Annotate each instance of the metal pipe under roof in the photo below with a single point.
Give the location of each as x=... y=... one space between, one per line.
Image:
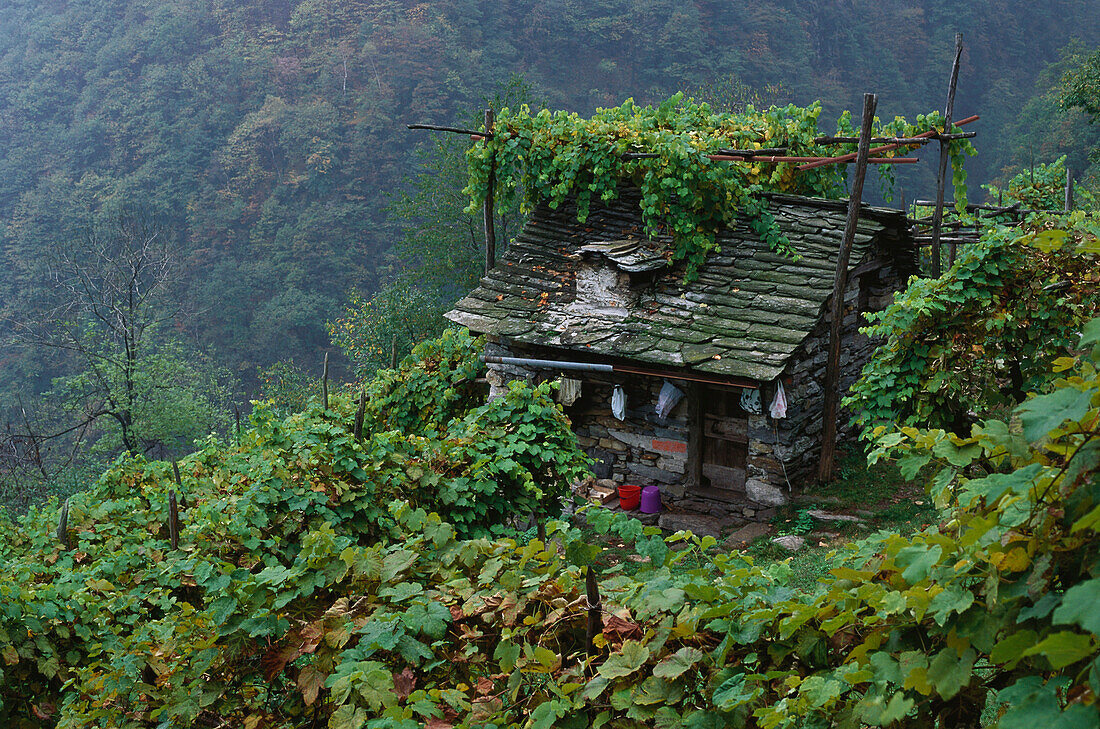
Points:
x=566 y=366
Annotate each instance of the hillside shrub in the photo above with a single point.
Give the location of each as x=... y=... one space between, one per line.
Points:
x=983 y=335
x=434 y=385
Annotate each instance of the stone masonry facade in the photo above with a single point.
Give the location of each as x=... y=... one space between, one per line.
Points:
x=781 y=454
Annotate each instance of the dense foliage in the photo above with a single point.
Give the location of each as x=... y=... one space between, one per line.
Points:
x=683 y=193
x=984 y=334
x=1042 y=187
x=1081 y=86
x=283 y=607
x=371 y=332
x=1051 y=124
x=121 y=630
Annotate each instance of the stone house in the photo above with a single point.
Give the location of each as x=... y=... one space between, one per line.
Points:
x=595 y=303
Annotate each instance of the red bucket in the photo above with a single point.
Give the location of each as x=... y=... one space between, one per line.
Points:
x=629 y=496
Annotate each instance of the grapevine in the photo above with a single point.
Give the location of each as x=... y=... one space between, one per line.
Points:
x=554 y=156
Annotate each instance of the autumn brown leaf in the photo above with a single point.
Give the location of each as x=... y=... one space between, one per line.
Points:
x=310 y=681
x=404 y=683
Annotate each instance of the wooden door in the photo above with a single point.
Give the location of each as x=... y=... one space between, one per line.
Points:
x=725 y=443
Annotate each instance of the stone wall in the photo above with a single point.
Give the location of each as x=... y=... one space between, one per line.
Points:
x=642 y=448
x=799 y=446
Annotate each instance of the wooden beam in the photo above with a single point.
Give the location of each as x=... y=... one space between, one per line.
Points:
x=941 y=177
x=996 y=209
x=836 y=305
x=456 y=130
x=897 y=140
x=595 y=612
x=173 y=521
x=876 y=160
x=924 y=240
x=487 y=211
x=725 y=156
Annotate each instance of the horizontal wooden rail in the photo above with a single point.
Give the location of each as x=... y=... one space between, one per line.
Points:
x=879 y=150
x=898 y=140
x=455 y=130
x=878 y=160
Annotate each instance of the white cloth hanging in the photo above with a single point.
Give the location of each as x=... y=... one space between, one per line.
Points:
x=667 y=399
x=778 y=408
x=569 y=391
x=750 y=401
x=618 y=402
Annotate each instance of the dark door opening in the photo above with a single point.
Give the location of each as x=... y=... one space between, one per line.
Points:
x=725 y=443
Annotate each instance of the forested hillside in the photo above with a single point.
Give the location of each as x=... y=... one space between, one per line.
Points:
x=202 y=200
x=269 y=136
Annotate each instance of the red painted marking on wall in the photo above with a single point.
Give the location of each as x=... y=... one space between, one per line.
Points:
x=670 y=446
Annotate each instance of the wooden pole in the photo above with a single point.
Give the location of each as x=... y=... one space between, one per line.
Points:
x=490 y=231
x=63 y=526
x=360 y=414
x=456 y=130
x=941 y=177
x=173 y=520
x=324 y=383
x=1069 y=190
x=836 y=304
x=179 y=484
x=595 y=616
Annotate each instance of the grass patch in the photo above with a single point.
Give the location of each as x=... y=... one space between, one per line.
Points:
x=877 y=495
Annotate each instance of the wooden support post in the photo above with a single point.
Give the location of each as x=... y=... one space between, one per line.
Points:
x=63 y=526
x=360 y=413
x=1069 y=190
x=595 y=611
x=490 y=230
x=324 y=383
x=836 y=304
x=941 y=178
x=173 y=520
x=179 y=484
x=695 y=415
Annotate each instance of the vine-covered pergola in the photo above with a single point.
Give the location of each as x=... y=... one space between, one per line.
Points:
x=672 y=159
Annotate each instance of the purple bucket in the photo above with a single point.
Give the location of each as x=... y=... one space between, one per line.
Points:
x=651 y=500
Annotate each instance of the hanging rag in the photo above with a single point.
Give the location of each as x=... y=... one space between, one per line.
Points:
x=667 y=399
x=750 y=401
x=778 y=408
x=618 y=403
x=569 y=391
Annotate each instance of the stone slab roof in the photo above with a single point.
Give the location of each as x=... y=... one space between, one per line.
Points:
x=742 y=318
